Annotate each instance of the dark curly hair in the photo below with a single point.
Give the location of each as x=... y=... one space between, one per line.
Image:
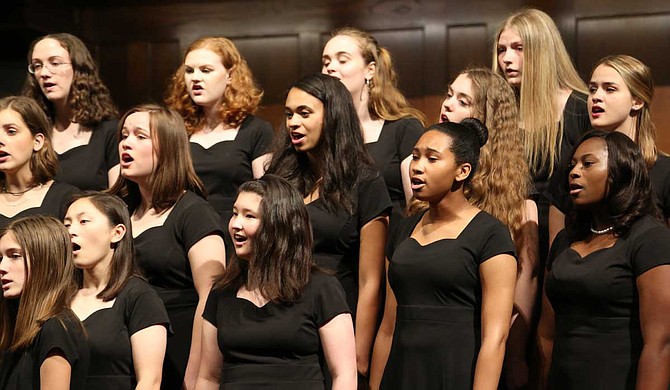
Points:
x=240 y=98
x=344 y=160
x=628 y=196
x=89 y=98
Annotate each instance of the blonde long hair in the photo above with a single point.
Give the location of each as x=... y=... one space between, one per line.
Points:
x=547 y=68
x=640 y=82
x=501 y=183
x=386 y=100
x=47 y=258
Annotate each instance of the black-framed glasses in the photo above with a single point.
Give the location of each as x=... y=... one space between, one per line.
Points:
x=52 y=66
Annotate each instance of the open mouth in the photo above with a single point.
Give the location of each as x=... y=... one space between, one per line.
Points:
x=3 y=154
x=597 y=110
x=239 y=239
x=443 y=118
x=75 y=247
x=575 y=188
x=126 y=158
x=417 y=183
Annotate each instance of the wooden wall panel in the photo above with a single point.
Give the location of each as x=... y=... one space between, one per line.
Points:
x=467 y=45
x=646 y=37
x=407 y=52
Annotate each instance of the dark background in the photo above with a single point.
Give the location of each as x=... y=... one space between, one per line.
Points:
x=138 y=44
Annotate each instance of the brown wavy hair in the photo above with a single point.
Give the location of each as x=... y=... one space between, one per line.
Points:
x=173 y=172
x=240 y=98
x=89 y=98
x=386 y=100
x=640 y=82
x=44 y=162
x=502 y=183
x=47 y=258
x=547 y=68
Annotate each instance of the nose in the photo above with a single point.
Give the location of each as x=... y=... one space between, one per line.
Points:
x=293 y=122
x=415 y=166
x=234 y=223
x=574 y=172
x=507 y=56
x=596 y=95
x=3 y=266
x=448 y=104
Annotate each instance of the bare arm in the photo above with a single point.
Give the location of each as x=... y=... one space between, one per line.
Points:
x=498 y=278
x=339 y=349
x=382 y=347
x=55 y=372
x=370 y=273
x=211 y=362
x=404 y=174
x=259 y=165
x=525 y=294
x=556 y=223
x=653 y=372
x=545 y=336
x=148 y=349
x=207 y=259
x=113 y=174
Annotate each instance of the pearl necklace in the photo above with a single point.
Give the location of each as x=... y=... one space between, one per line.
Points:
x=606 y=230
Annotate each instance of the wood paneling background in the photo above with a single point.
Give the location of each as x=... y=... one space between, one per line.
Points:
x=140 y=43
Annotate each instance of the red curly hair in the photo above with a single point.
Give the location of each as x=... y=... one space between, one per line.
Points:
x=240 y=98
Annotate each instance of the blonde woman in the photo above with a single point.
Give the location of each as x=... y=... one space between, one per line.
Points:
x=530 y=54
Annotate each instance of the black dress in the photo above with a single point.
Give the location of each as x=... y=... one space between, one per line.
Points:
x=395 y=144
x=54 y=203
x=64 y=333
x=438 y=320
x=87 y=166
x=597 y=339
x=275 y=346
x=224 y=166
x=162 y=253
x=137 y=307
x=337 y=236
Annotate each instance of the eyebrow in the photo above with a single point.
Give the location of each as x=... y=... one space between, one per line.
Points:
x=302 y=107
x=339 y=53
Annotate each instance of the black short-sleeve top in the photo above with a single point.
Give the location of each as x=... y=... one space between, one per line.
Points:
x=54 y=203
x=276 y=345
x=337 y=235
x=87 y=166
x=137 y=307
x=162 y=251
x=224 y=166
x=395 y=143
x=603 y=283
x=575 y=124
x=62 y=333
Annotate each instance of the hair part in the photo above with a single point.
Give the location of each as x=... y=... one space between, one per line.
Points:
x=173 y=171
x=44 y=162
x=629 y=195
x=281 y=251
x=89 y=98
x=547 y=69
x=640 y=82
x=240 y=98
x=344 y=161
x=47 y=256
x=386 y=100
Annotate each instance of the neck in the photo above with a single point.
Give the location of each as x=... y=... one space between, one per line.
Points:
x=97 y=278
x=601 y=218
x=146 y=196
x=449 y=207
x=212 y=117
x=18 y=182
x=362 y=108
x=63 y=115
x=628 y=128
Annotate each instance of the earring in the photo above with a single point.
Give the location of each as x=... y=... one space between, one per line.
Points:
x=368 y=84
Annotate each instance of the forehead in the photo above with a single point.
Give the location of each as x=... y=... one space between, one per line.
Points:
x=83 y=205
x=138 y=119
x=297 y=97
x=342 y=43
x=49 y=47
x=248 y=201
x=203 y=56
x=605 y=73
x=509 y=35
x=462 y=83
x=434 y=139
x=8 y=240
x=596 y=146
x=10 y=116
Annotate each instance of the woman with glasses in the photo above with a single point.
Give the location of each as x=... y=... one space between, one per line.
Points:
x=63 y=79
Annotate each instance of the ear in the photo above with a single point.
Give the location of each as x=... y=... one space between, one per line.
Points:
x=38 y=142
x=463 y=171
x=637 y=104
x=230 y=75
x=370 y=70
x=119 y=232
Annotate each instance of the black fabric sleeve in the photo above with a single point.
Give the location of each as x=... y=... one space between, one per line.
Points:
x=559 y=245
x=650 y=248
x=261 y=133
x=144 y=308
x=330 y=300
x=197 y=220
x=497 y=241
x=373 y=200
x=409 y=134
x=110 y=128
x=59 y=336
x=211 y=306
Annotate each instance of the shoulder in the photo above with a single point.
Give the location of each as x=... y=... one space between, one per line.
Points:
x=402 y=124
x=662 y=165
x=190 y=200
x=106 y=126
x=252 y=122
x=488 y=221
x=62 y=327
x=646 y=228
x=62 y=189
x=136 y=286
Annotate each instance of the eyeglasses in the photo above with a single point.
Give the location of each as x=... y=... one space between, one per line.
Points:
x=52 y=66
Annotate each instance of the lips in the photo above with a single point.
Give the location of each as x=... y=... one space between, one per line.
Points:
x=197 y=90
x=5 y=284
x=417 y=183
x=297 y=138
x=126 y=159
x=239 y=239
x=575 y=189
x=596 y=111
x=511 y=72
x=75 y=248
x=443 y=118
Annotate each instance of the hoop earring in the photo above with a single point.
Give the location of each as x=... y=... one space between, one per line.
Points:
x=368 y=85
